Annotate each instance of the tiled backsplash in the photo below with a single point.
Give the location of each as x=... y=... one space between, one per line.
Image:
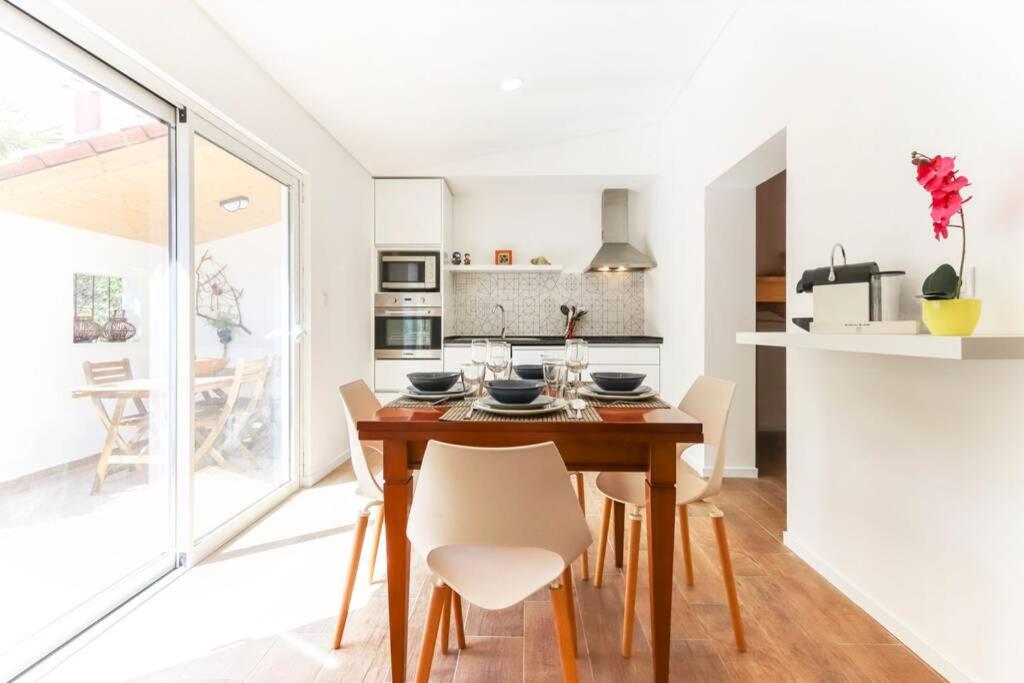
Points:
x=614 y=303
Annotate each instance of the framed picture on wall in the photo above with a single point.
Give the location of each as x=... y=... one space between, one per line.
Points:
x=503 y=257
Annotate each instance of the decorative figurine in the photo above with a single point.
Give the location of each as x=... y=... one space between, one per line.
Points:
x=456 y=258
x=465 y=259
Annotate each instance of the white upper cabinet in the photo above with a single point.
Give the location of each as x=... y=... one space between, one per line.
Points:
x=410 y=211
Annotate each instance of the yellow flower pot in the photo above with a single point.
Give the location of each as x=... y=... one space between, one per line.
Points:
x=951 y=317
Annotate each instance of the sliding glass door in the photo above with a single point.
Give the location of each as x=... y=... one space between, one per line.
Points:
x=243 y=250
x=87 y=466
x=148 y=269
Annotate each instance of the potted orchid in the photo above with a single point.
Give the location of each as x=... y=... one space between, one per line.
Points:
x=943 y=310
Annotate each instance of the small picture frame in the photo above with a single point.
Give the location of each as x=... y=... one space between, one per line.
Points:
x=503 y=257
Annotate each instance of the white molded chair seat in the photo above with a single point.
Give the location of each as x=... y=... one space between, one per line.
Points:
x=631 y=487
x=495 y=577
x=496 y=525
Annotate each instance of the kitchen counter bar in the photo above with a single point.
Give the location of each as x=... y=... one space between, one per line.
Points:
x=553 y=341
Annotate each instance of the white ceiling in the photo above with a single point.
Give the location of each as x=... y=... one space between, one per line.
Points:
x=410 y=84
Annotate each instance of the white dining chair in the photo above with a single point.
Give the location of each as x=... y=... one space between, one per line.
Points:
x=495 y=525
x=360 y=404
x=708 y=400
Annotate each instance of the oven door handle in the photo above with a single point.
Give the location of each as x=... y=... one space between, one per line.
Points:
x=408 y=313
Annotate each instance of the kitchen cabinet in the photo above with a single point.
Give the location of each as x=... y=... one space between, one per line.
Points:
x=410 y=211
x=390 y=375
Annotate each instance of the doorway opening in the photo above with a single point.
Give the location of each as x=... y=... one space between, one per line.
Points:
x=770 y=307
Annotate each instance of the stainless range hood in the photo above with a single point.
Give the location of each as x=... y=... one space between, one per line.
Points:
x=616 y=253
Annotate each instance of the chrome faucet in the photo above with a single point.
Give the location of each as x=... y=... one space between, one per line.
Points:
x=502 y=309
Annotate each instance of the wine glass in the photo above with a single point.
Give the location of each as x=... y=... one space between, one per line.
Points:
x=478 y=354
x=554 y=374
x=499 y=357
x=577 y=357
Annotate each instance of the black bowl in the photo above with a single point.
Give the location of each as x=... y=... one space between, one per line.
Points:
x=433 y=381
x=529 y=371
x=516 y=391
x=617 y=381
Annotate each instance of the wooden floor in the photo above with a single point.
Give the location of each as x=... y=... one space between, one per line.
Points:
x=268 y=601
x=798 y=626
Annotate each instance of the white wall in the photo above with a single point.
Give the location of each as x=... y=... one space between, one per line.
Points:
x=729 y=305
x=556 y=217
x=904 y=475
x=42 y=424
x=176 y=40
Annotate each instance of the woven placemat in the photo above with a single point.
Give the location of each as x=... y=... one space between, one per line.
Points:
x=460 y=413
x=403 y=402
x=653 y=402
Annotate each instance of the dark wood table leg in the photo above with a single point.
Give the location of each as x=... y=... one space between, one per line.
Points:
x=619 y=517
x=397 y=499
x=661 y=508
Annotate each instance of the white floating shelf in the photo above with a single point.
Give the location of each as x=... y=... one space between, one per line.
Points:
x=523 y=268
x=981 y=347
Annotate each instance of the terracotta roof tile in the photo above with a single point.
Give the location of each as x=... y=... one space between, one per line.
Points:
x=62 y=155
x=82 y=149
x=122 y=138
x=155 y=130
x=21 y=167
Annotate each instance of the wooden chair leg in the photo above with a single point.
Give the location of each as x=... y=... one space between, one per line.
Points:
x=567 y=582
x=375 y=545
x=446 y=619
x=584 y=559
x=438 y=599
x=460 y=629
x=350 y=580
x=684 y=536
x=560 y=614
x=632 y=567
x=718 y=520
x=602 y=542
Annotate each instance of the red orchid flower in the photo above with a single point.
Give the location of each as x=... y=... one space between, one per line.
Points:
x=938 y=176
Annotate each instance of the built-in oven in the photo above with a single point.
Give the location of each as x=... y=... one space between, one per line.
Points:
x=407 y=326
x=409 y=271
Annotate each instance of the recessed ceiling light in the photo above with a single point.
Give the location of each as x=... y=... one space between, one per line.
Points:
x=511 y=84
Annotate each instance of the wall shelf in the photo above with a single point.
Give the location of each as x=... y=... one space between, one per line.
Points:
x=515 y=268
x=981 y=347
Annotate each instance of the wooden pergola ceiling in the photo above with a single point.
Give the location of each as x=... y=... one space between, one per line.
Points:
x=123 y=191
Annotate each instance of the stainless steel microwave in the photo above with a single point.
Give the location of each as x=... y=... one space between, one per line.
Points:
x=409 y=271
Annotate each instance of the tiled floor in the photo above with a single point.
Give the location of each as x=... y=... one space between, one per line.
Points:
x=62 y=545
x=263 y=608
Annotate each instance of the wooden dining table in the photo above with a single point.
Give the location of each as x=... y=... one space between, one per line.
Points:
x=625 y=440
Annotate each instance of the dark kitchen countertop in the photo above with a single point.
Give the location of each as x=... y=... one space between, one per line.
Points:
x=554 y=341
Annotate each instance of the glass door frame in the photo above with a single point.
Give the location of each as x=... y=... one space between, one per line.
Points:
x=52 y=45
x=192 y=548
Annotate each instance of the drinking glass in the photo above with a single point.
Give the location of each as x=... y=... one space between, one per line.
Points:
x=499 y=357
x=577 y=357
x=554 y=374
x=478 y=354
x=472 y=376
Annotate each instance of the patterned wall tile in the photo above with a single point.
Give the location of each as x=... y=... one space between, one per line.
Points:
x=614 y=303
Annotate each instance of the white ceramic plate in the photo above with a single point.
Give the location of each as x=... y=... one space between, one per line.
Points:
x=601 y=396
x=597 y=389
x=539 y=402
x=455 y=391
x=553 y=407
